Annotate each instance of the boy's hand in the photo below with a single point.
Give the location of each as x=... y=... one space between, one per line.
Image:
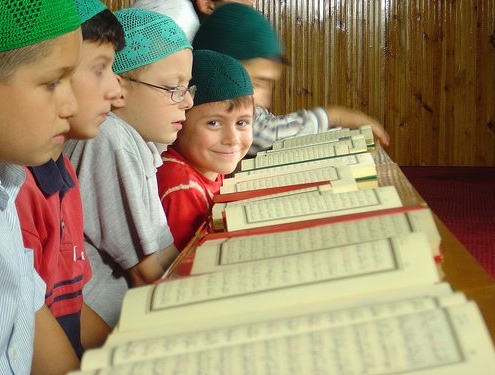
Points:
x=346 y=117
x=152 y=267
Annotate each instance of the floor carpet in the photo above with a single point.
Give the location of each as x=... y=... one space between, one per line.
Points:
x=464 y=199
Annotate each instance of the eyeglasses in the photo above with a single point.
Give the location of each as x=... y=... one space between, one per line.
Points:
x=177 y=93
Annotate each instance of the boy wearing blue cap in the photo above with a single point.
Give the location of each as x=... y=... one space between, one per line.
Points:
x=245 y=34
x=216 y=135
x=49 y=203
x=127 y=239
x=39 y=51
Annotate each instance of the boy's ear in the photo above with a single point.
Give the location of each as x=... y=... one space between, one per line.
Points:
x=205 y=6
x=119 y=102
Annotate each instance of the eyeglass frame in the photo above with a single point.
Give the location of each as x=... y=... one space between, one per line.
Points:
x=182 y=90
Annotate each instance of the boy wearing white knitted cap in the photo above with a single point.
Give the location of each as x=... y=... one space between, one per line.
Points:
x=127 y=237
x=39 y=51
x=215 y=137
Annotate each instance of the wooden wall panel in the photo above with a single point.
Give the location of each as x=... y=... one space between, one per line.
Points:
x=118 y=4
x=424 y=68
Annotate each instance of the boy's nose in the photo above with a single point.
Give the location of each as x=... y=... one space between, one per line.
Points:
x=70 y=107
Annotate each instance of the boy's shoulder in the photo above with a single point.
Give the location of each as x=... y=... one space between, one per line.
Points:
x=174 y=171
x=114 y=133
x=173 y=162
x=11 y=176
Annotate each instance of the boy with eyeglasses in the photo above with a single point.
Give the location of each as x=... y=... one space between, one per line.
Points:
x=215 y=137
x=127 y=238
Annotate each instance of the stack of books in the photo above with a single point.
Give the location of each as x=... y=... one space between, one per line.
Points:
x=302 y=269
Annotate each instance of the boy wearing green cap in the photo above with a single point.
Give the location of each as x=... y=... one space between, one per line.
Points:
x=216 y=135
x=39 y=51
x=245 y=34
x=49 y=203
x=127 y=239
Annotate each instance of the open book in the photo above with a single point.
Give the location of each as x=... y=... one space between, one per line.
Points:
x=213 y=252
x=362 y=167
x=300 y=205
x=304 y=153
x=373 y=307
x=339 y=176
x=331 y=135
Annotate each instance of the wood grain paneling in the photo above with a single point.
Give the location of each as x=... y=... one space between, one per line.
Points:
x=118 y=4
x=424 y=68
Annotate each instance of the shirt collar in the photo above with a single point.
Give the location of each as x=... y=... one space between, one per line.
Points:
x=155 y=154
x=53 y=177
x=11 y=179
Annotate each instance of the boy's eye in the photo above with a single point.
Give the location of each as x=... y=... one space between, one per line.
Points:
x=52 y=85
x=99 y=70
x=262 y=84
x=213 y=123
x=243 y=123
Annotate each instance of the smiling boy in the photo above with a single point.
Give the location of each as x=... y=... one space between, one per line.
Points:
x=216 y=135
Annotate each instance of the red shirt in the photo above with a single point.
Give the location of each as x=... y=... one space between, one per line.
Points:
x=186 y=196
x=50 y=212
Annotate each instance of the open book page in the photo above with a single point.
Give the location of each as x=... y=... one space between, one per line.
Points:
x=218 y=254
x=288 y=282
x=330 y=317
x=340 y=177
x=308 y=205
x=331 y=135
x=350 y=144
x=442 y=341
x=362 y=166
x=121 y=336
x=218 y=209
x=303 y=153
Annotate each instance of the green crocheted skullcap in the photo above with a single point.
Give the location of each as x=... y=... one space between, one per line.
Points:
x=150 y=36
x=218 y=77
x=239 y=31
x=87 y=9
x=23 y=23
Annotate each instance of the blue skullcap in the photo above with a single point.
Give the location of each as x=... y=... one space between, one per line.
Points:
x=149 y=36
x=89 y=8
x=218 y=77
x=23 y=23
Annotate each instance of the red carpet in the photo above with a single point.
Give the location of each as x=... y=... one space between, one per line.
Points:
x=464 y=199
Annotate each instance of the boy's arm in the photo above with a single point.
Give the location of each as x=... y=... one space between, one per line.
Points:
x=48 y=334
x=346 y=117
x=94 y=330
x=267 y=128
x=152 y=267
